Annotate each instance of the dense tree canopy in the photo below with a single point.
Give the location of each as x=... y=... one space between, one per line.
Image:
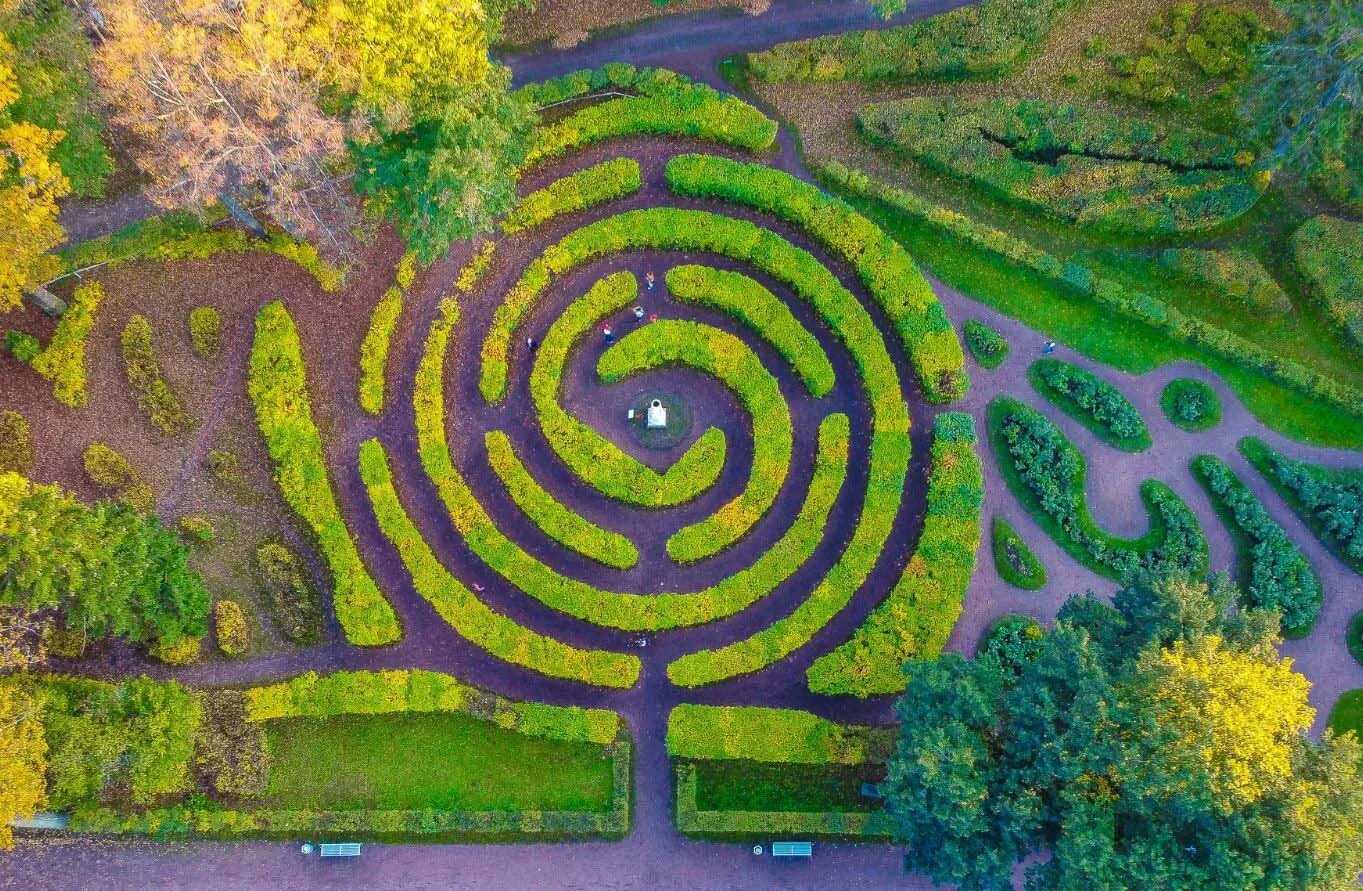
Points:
x=23 y=758
x=1157 y=742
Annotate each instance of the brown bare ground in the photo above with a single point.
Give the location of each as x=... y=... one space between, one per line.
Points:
x=553 y=19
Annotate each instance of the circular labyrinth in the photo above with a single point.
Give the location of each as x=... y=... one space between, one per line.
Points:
x=772 y=511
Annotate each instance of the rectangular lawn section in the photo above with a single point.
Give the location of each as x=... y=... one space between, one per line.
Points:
x=797 y=788
x=441 y=761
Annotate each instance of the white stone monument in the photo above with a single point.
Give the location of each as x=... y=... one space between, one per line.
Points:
x=657 y=415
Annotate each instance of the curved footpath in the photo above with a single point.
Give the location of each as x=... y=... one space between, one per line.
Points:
x=654 y=855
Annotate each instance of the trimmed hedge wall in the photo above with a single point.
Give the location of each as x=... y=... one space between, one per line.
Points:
x=734 y=294
x=884 y=267
x=595 y=185
x=1329 y=501
x=154 y=396
x=1107 y=172
x=1015 y=562
x=1328 y=253
x=1236 y=274
x=1191 y=404
x=63 y=360
x=592 y=457
x=555 y=519
x=786 y=736
x=374 y=351
x=729 y=360
x=1091 y=401
x=1275 y=575
x=1081 y=279
x=277 y=383
x=988 y=346
x=1046 y=473
x=870 y=826
x=917 y=616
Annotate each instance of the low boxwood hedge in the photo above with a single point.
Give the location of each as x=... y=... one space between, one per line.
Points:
x=778 y=735
x=62 y=361
x=374 y=350
x=1015 y=562
x=1091 y=401
x=988 y=346
x=154 y=396
x=762 y=825
x=586 y=188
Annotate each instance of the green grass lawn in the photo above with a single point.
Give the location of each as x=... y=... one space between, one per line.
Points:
x=438 y=761
x=814 y=788
x=1348 y=713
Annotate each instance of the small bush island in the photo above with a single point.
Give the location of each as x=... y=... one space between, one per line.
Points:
x=785 y=736
x=1330 y=501
x=288 y=593
x=1328 y=254
x=1015 y=562
x=374 y=350
x=577 y=191
x=277 y=383
x=1046 y=472
x=1101 y=171
x=234 y=634
x=114 y=474
x=1012 y=640
x=1091 y=401
x=63 y=361
x=1191 y=404
x=154 y=395
x=988 y=346
x=16 y=443
x=205 y=331
x=1275 y=574
x=1234 y=274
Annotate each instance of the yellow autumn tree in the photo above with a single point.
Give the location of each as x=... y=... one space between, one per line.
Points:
x=30 y=184
x=23 y=759
x=1235 y=717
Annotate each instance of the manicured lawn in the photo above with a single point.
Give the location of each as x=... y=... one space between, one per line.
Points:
x=1348 y=713
x=752 y=786
x=439 y=761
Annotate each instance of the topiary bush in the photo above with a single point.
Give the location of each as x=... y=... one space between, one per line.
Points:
x=22 y=346
x=113 y=473
x=234 y=634
x=1354 y=637
x=205 y=331
x=1015 y=562
x=988 y=346
x=1191 y=404
x=16 y=444
x=198 y=529
x=1012 y=640
x=1091 y=401
x=154 y=396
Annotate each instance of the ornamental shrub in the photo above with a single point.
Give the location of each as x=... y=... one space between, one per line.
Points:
x=1234 y=274
x=197 y=528
x=115 y=475
x=22 y=346
x=586 y=188
x=987 y=345
x=288 y=594
x=374 y=350
x=477 y=267
x=777 y=735
x=1328 y=254
x=234 y=634
x=230 y=752
x=1015 y=562
x=16 y=445
x=1329 y=501
x=63 y=361
x=205 y=331
x=1012 y=640
x=154 y=396
x=1091 y=401
x=1191 y=404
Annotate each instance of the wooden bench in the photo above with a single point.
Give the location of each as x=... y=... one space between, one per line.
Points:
x=341 y=849
x=792 y=849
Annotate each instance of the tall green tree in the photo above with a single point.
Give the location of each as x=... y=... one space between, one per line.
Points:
x=1156 y=743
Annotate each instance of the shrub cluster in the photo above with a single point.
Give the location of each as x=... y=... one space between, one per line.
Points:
x=476 y=268
x=977 y=41
x=1015 y=562
x=988 y=346
x=114 y=474
x=154 y=396
x=1236 y=274
x=595 y=185
x=277 y=383
x=592 y=457
x=63 y=361
x=1278 y=577
x=884 y=267
x=1091 y=401
x=230 y=752
x=1191 y=404
x=1328 y=253
x=205 y=331
x=868 y=825
x=196 y=528
x=667 y=104
x=1330 y=501
x=234 y=634
x=780 y=735
x=1106 y=292
x=23 y=346
x=16 y=443
x=728 y=359
x=374 y=350
x=1103 y=171
x=1046 y=473
x=555 y=519
x=1012 y=640
x=748 y=301
x=917 y=616
x=288 y=594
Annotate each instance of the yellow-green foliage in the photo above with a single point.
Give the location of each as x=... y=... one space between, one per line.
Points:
x=708 y=824
x=205 y=331
x=277 y=384
x=604 y=182
x=374 y=350
x=16 y=445
x=234 y=635
x=1328 y=253
x=1236 y=274
x=476 y=268
x=785 y=736
x=115 y=475
x=154 y=396
x=916 y=618
x=63 y=362
x=385 y=692
x=305 y=255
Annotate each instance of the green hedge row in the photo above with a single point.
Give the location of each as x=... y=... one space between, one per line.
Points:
x=277 y=383
x=205 y=331
x=1328 y=254
x=1091 y=401
x=733 y=363
x=988 y=346
x=465 y=612
x=374 y=350
x=1235 y=273
x=555 y=519
x=1190 y=404
x=977 y=41
x=1277 y=576
x=1329 y=501
x=595 y=185
x=786 y=736
x=872 y=825
x=1106 y=292
x=312 y=695
x=63 y=360
x=1108 y=172
x=592 y=457
x=748 y=301
x=917 y=616
x=154 y=396
x=666 y=104
x=1015 y=562
x=1046 y=473
x=882 y=264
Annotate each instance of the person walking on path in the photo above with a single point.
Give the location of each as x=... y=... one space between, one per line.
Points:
x=608 y=333
x=638 y=314
x=532 y=344
x=649 y=279
x=1048 y=348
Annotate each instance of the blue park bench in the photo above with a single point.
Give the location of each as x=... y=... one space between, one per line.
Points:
x=792 y=849
x=340 y=849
